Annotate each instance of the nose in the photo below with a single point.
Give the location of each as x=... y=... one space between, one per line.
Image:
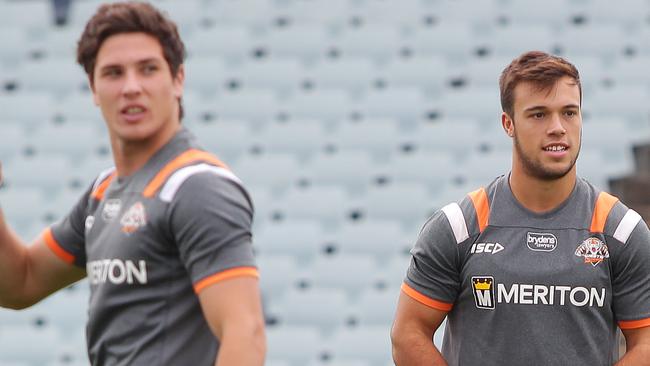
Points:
x=556 y=127
x=131 y=85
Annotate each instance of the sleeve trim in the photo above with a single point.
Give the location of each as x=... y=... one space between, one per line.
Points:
x=482 y=207
x=626 y=226
x=457 y=221
x=604 y=205
x=224 y=275
x=435 y=304
x=634 y=324
x=188 y=157
x=57 y=248
x=100 y=188
x=174 y=183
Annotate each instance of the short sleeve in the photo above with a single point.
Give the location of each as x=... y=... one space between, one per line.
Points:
x=631 y=284
x=210 y=219
x=66 y=238
x=433 y=275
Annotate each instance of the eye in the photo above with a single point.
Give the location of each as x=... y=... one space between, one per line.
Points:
x=149 y=69
x=538 y=115
x=571 y=113
x=112 y=72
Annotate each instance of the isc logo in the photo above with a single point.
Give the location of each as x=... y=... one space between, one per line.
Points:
x=493 y=248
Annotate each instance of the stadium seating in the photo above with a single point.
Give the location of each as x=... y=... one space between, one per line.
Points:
x=349 y=122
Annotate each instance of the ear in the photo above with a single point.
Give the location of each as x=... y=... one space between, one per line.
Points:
x=508 y=124
x=179 y=81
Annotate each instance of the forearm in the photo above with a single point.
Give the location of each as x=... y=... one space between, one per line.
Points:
x=416 y=350
x=636 y=356
x=13 y=266
x=245 y=346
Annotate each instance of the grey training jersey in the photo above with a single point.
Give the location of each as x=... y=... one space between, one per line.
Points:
x=533 y=289
x=150 y=243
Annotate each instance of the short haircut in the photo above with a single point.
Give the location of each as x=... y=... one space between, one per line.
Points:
x=130 y=17
x=539 y=68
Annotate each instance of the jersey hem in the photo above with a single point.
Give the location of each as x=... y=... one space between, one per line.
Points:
x=56 y=248
x=423 y=299
x=224 y=275
x=634 y=324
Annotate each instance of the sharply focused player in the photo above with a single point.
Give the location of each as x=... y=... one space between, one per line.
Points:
x=164 y=237
x=539 y=267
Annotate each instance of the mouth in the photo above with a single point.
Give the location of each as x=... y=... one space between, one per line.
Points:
x=133 y=112
x=557 y=149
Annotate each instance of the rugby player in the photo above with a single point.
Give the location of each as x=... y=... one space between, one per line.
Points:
x=539 y=267
x=164 y=237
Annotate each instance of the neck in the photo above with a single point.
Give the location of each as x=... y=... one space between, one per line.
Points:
x=539 y=195
x=130 y=156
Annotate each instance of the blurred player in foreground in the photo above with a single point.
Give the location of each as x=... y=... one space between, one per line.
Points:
x=538 y=267
x=164 y=237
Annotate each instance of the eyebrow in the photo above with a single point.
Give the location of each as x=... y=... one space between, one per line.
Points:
x=541 y=107
x=139 y=62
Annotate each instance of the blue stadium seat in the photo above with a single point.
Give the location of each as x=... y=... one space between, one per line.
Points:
x=375 y=42
x=351 y=73
x=375 y=307
x=207 y=74
x=429 y=73
x=281 y=344
x=307 y=42
x=238 y=104
x=301 y=137
x=510 y=42
x=375 y=348
x=328 y=204
x=230 y=42
x=321 y=308
x=379 y=137
x=405 y=104
x=349 y=169
x=21 y=107
x=273 y=170
x=278 y=274
x=378 y=238
x=300 y=238
x=227 y=139
x=328 y=106
x=280 y=75
x=351 y=273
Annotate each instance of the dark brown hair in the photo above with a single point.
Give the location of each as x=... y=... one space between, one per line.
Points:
x=539 y=68
x=128 y=17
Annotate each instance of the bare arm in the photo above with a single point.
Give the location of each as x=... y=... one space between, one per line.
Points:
x=412 y=333
x=28 y=274
x=233 y=310
x=638 y=347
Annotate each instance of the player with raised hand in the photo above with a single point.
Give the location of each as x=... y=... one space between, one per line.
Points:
x=164 y=237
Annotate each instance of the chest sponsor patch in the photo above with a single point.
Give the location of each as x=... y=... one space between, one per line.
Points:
x=593 y=250
x=487 y=294
x=134 y=218
x=111 y=209
x=541 y=242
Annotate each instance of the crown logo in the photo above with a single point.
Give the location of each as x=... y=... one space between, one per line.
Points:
x=482 y=283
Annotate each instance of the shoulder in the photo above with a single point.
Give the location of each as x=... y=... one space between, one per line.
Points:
x=199 y=179
x=463 y=219
x=611 y=217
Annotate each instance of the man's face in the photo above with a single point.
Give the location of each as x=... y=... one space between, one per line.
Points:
x=546 y=129
x=133 y=86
